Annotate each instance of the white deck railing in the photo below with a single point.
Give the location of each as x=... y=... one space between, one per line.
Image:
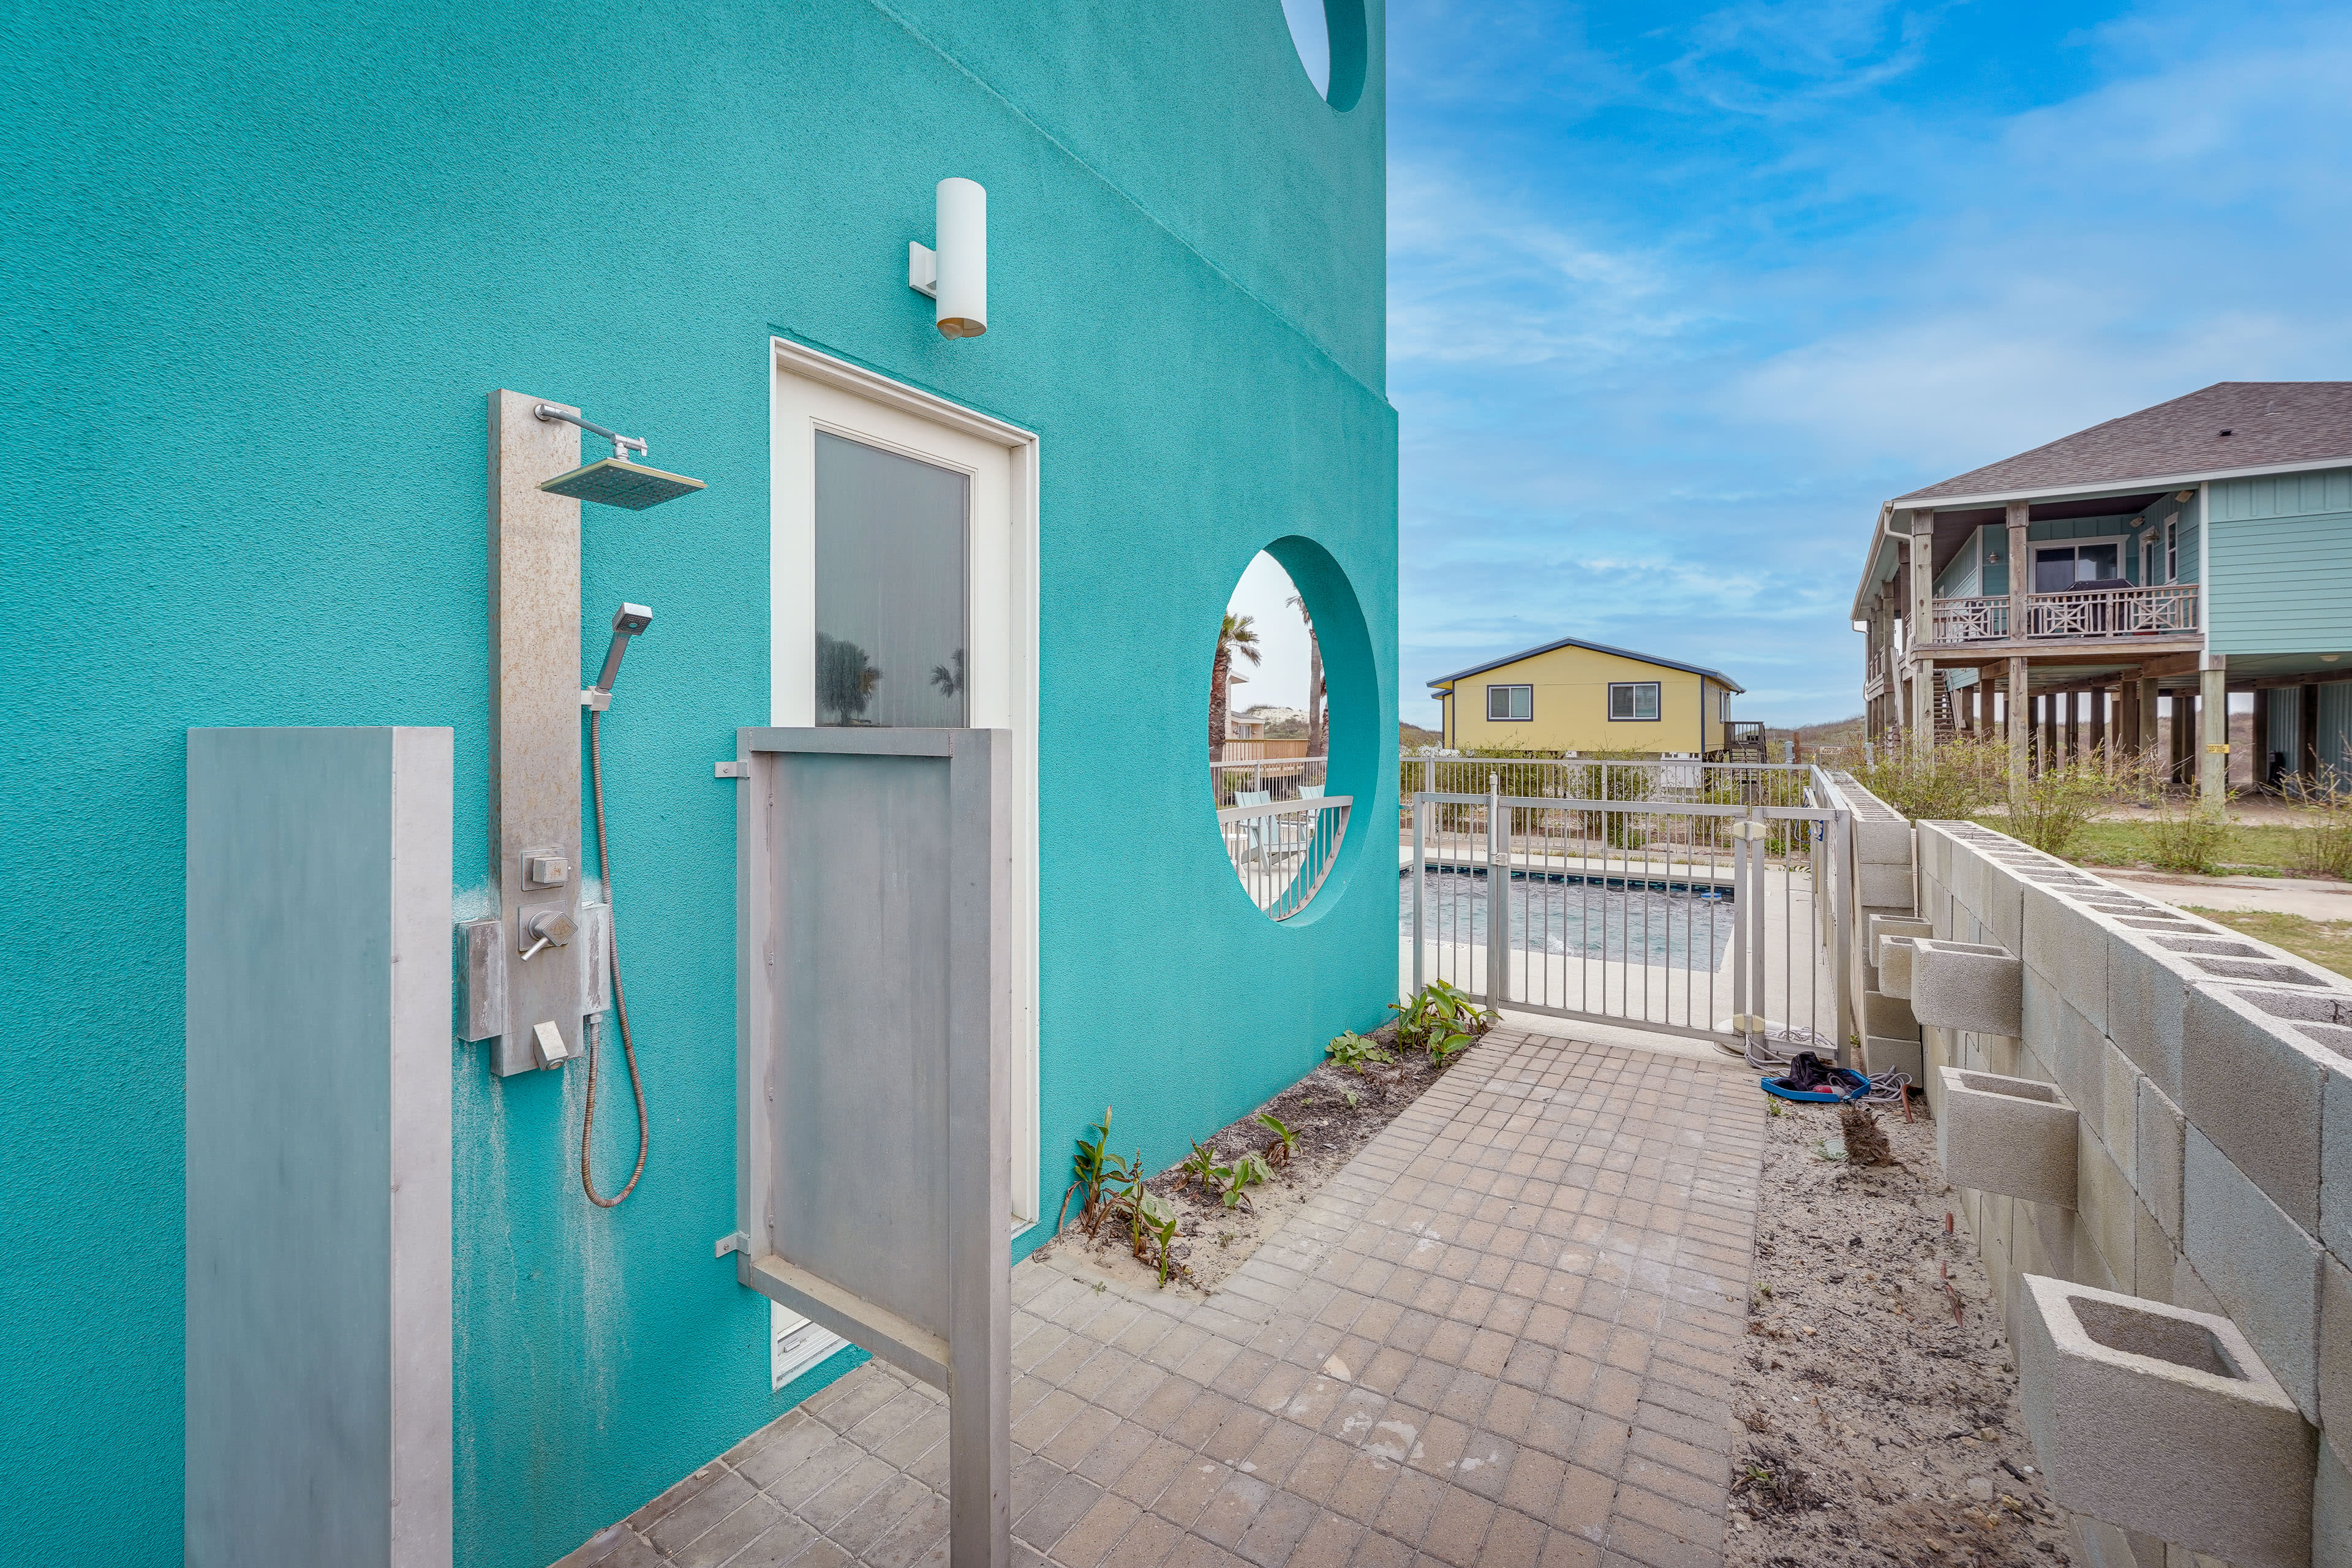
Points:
x=2094 y=613
x=1283 y=850
x=1281 y=776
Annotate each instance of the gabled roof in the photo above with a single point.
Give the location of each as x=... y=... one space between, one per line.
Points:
x=2229 y=425
x=1715 y=674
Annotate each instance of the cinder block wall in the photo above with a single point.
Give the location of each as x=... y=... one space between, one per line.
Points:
x=1886 y=883
x=2214 y=1160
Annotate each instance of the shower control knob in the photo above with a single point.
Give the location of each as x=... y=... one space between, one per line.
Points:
x=543 y=928
x=546 y=870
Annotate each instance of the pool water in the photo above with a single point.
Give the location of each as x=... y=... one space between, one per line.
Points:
x=1677 y=929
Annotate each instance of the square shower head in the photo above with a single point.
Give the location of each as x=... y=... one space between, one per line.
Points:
x=617 y=483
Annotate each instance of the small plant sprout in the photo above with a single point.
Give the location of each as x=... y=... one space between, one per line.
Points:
x=1202 y=1167
x=1441 y=1019
x=1087 y=1178
x=1156 y=1216
x=1352 y=1098
x=1248 y=1171
x=1286 y=1139
x=1356 y=1052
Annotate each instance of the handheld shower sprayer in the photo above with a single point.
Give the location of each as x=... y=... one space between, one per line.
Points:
x=614 y=480
x=629 y=622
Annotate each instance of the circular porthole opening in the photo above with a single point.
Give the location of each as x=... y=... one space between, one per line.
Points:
x=1270 y=742
x=1330 y=37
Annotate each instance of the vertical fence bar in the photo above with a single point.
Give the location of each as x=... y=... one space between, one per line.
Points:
x=1842 y=857
x=1420 y=878
x=1760 y=946
x=1498 y=903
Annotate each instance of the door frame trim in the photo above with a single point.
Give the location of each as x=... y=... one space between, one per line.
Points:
x=1022 y=451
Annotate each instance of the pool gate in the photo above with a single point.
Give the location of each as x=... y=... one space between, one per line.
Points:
x=1692 y=897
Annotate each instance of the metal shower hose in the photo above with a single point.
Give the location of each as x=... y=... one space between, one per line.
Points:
x=620 y=998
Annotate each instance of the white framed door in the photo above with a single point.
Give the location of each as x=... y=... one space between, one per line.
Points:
x=866 y=475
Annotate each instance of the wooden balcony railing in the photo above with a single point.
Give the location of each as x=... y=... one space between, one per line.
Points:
x=2093 y=613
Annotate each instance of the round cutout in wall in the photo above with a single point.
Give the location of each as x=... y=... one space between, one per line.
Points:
x=1330 y=37
x=1270 y=741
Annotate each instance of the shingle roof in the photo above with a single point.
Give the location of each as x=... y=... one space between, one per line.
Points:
x=1715 y=674
x=2269 y=422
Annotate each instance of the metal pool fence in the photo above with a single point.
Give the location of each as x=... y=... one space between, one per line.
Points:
x=1724 y=918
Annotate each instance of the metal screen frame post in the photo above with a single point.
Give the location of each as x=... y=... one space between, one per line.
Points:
x=956 y=1332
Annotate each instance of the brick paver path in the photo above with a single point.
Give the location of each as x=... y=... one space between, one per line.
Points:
x=1503 y=1335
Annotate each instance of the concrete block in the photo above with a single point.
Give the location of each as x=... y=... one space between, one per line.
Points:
x=2189 y=1289
x=2105 y=1219
x=1885 y=1055
x=2158 y=1129
x=2334 y=1345
x=2003 y=1055
x=2331 y=1511
x=1884 y=887
x=2233 y=957
x=1966 y=881
x=1894 y=952
x=2062 y=1038
x=1887 y=1016
x=2261 y=1265
x=2153 y=1255
x=2004 y=910
x=2091 y=1264
x=2336 y=1166
x=2069 y=944
x=1966 y=985
x=2007 y=1135
x=2163 y=1421
x=1883 y=841
x=2255 y=1082
x=1879 y=926
x=1932 y=848
x=2120 y=1108
x=2147 y=1008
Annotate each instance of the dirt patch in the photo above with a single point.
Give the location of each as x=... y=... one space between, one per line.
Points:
x=1332 y=1111
x=1878 y=1429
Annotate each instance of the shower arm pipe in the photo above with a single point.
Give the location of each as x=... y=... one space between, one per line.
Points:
x=622 y=445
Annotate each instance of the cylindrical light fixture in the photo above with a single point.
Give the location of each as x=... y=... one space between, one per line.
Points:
x=961 y=290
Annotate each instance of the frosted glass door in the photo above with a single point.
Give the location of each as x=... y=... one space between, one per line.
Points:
x=892 y=625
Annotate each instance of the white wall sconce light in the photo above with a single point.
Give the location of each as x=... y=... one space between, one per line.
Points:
x=956 y=275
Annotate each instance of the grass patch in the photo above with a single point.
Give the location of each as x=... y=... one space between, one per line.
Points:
x=2327 y=943
x=2246 y=850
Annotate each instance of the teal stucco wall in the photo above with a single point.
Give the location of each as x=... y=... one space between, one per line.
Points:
x=266 y=260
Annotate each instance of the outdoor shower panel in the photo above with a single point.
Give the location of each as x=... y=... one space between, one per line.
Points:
x=535 y=971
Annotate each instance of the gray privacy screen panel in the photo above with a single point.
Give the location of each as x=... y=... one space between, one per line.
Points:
x=861 y=1070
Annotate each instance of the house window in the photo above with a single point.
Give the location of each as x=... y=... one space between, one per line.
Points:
x=2172 y=547
x=1511 y=702
x=1633 y=699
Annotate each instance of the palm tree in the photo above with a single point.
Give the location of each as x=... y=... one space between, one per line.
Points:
x=1317 y=712
x=1237 y=635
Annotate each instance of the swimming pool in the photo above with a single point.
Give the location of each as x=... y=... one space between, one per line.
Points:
x=1681 y=927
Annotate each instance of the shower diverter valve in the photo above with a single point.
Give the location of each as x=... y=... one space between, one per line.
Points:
x=550 y=925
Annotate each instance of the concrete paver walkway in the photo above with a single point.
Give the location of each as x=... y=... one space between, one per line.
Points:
x=1502 y=1335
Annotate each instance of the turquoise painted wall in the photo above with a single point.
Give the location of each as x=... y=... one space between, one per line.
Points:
x=2282 y=564
x=266 y=260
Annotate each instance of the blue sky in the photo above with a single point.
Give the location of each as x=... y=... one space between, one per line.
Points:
x=1678 y=294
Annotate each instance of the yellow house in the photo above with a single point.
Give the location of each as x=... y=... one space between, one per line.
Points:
x=1572 y=696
